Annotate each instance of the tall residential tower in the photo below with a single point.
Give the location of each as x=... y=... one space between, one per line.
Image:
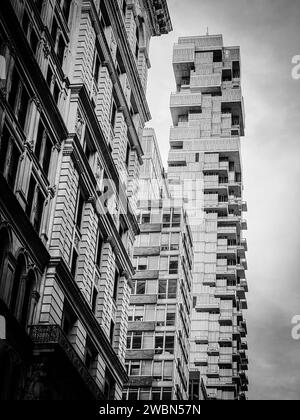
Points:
x=205 y=152
x=72 y=113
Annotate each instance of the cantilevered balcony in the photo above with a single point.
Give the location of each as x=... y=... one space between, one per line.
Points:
x=213 y=372
x=244 y=304
x=244 y=244
x=223 y=293
x=244 y=344
x=212 y=203
x=226 y=251
x=228 y=272
x=244 y=225
x=225 y=339
x=183 y=61
x=208 y=307
x=201 y=361
x=233 y=102
x=221 y=167
x=213 y=350
x=202 y=339
x=225 y=319
x=244 y=285
x=225 y=360
x=236 y=333
x=244 y=377
x=182 y=103
x=206 y=83
x=240 y=292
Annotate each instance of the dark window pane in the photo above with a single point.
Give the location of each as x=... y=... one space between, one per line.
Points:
x=162 y=290
x=137 y=340
x=140 y=287
x=14 y=88
x=47 y=156
x=3 y=148
x=66 y=9
x=13 y=166
x=30 y=196
x=79 y=211
x=24 y=102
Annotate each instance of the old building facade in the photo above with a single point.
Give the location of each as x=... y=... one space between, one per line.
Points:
x=72 y=111
x=157 y=357
x=205 y=156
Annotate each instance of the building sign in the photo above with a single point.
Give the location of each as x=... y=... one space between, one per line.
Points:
x=2 y=328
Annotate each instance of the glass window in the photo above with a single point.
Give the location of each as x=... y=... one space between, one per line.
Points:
x=159 y=344
x=140 y=287
x=176 y=220
x=156 y=394
x=137 y=340
x=144 y=240
x=128 y=345
x=145 y=394
x=143 y=263
x=149 y=313
x=135 y=369
x=148 y=340
x=171 y=317
x=169 y=346
x=173 y=265
x=157 y=370
x=146 y=218
x=167 y=394
x=146 y=368
x=163 y=264
x=166 y=220
x=139 y=314
x=133 y=394
x=165 y=242
x=151 y=287
x=153 y=263
x=162 y=292
x=154 y=239
x=161 y=316
x=172 y=291
x=168 y=370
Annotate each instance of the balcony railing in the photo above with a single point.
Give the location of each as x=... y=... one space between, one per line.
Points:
x=201 y=361
x=46 y=336
x=206 y=83
x=188 y=99
x=208 y=307
x=201 y=339
x=213 y=372
x=213 y=350
x=216 y=167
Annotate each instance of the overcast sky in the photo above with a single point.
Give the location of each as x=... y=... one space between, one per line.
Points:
x=268 y=32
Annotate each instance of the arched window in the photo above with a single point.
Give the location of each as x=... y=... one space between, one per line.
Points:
x=26 y=305
x=17 y=284
x=4 y=247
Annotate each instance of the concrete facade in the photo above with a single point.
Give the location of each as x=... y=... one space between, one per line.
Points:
x=72 y=112
x=205 y=152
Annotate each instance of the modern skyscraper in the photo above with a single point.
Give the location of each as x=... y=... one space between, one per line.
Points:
x=158 y=351
x=205 y=153
x=72 y=111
